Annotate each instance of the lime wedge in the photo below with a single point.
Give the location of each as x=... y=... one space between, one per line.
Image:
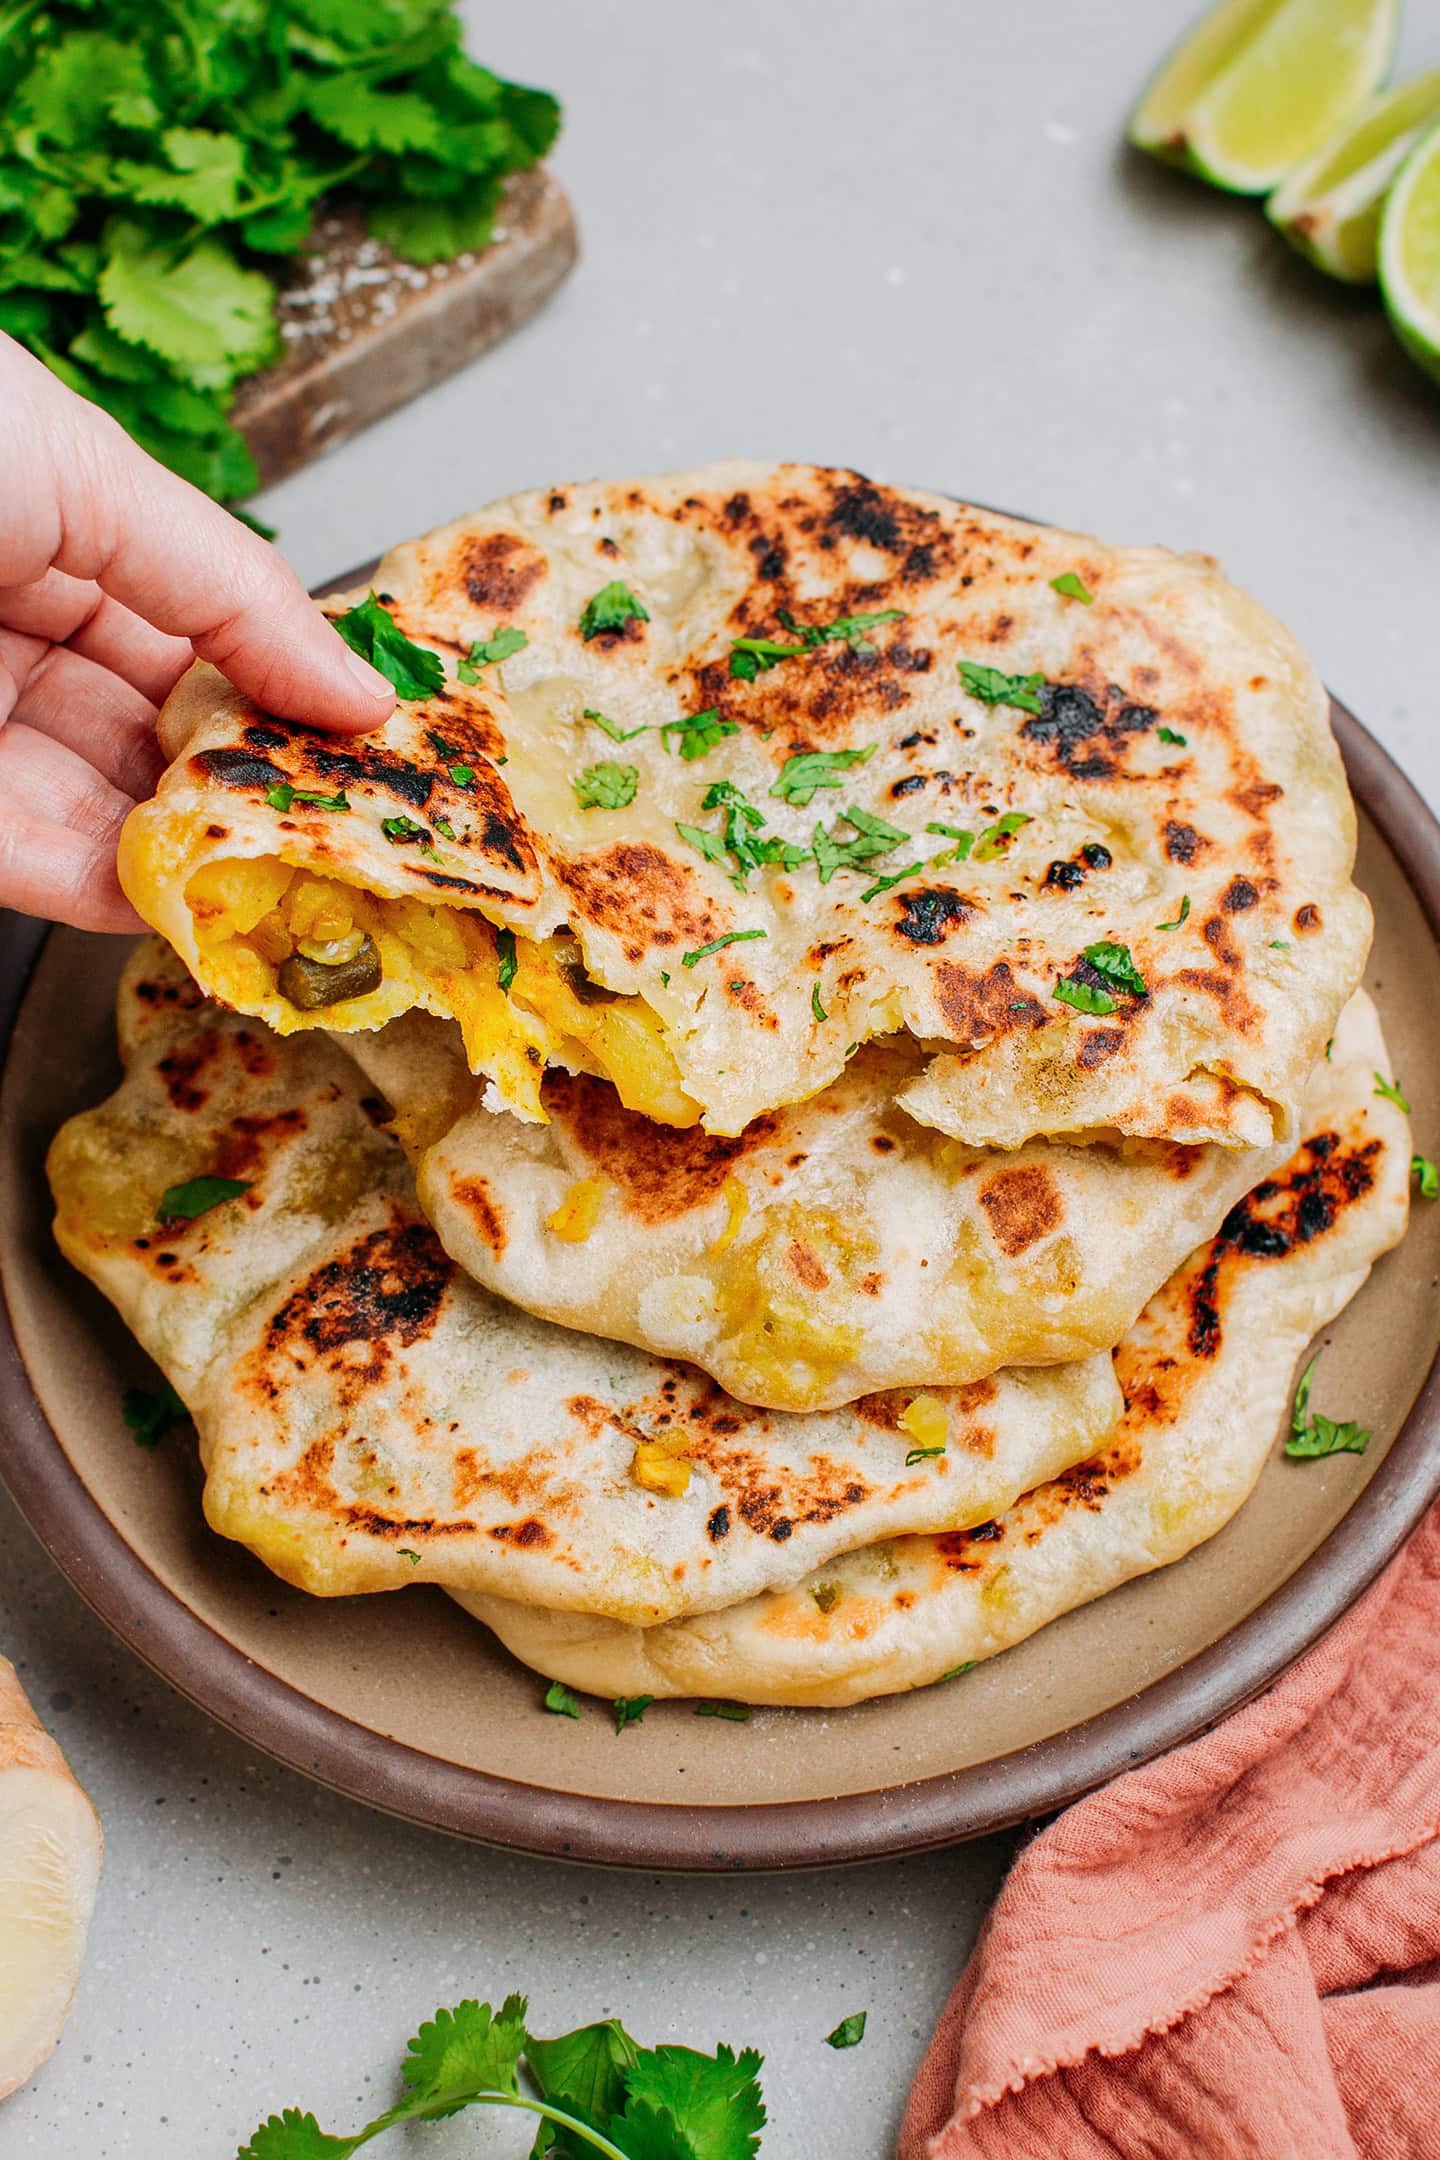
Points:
x=1260 y=85
x=1329 y=208
x=1410 y=253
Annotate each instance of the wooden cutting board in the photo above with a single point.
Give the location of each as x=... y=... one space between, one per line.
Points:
x=364 y=332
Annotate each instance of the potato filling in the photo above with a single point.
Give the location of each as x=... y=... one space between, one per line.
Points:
x=284 y=941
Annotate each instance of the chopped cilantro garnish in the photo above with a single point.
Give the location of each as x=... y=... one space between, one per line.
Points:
x=629 y=1709
x=182 y=1203
x=1390 y=1089
x=872 y=837
x=994 y=688
x=606 y=786
x=735 y=1713
x=440 y=746
x=486 y=652
x=462 y=776
x=610 y=609
x=505 y=949
x=1279 y=944
x=738 y=836
x=372 y=631
x=808 y=770
x=1314 y=1434
x=711 y=846
x=443 y=826
x=1168 y=735
x=893 y=877
x=849 y=2032
x=612 y=728
x=1083 y=996
x=1117 y=967
x=1427 y=1174
x=560 y=1702
x=827 y=1595
x=407 y=1552
x=963 y=839
x=1071 y=586
x=731 y=937
x=403 y=831
x=282 y=795
x=956 y=1670
x=1183 y=916
x=815 y=1005
x=698 y=732
x=752 y=656
x=921 y=1454
x=151 y=1415
x=996 y=838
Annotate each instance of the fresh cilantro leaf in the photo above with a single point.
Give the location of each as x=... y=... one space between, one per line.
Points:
x=963 y=839
x=1427 y=1174
x=1114 y=964
x=440 y=746
x=293 y=2136
x=610 y=609
x=994 y=688
x=1279 y=944
x=710 y=845
x=699 y=733
x=370 y=118
x=713 y=2102
x=1312 y=1434
x=752 y=656
x=629 y=1709
x=921 y=1454
x=282 y=795
x=509 y=966
x=1071 y=586
x=408 y=1552
x=849 y=2032
x=613 y=728
x=872 y=837
x=895 y=877
x=995 y=839
x=404 y=832
x=1168 y=735
x=560 y=1702
x=731 y=937
x=488 y=652
x=458 y=2054
x=150 y=1415
x=735 y=1713
x=1183 y=916
x=200 y=310
x=1083 y=996
x=808 y=770
x=183 y=1203
x=606 y=786
x=202 y=176
x=1390 y=1089
x=372 y=631
x=956 y=1670
x=815 y=1005
x=584 y=2069
x=443 y=826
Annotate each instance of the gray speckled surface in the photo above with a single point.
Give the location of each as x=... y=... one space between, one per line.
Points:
x=906 y=240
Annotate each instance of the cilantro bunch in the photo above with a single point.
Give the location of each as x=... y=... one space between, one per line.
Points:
x=160 y=158
x=594 y=2091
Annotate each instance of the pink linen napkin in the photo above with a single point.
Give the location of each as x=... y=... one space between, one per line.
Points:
x=1234 y=1951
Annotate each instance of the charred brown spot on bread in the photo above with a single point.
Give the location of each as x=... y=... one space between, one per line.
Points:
x=1216 y=933
x=387 y=1288
x=806 y=1266
x=1294 y=1207
x=927 y=917
x=660 y=1171
x=1182 y=842
x=530 y=1535
x=1084 y=732
x=1239 y=896
x=474 y=1197
x=717 y=1524
x=500 y=570
x=980 y=1005
x=176 y=993
x=1097 y=1046
x=236 y=769
x=1024 y=1205
x=633 y=889
x=180 y=1069
x=1308 y=918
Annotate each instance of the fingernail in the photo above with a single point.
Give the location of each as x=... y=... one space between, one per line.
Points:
x=370 y=679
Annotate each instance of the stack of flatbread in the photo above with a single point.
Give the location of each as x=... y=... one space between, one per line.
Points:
x=787 y=1120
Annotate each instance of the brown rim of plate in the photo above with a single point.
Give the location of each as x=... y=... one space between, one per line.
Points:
x=878 y=1825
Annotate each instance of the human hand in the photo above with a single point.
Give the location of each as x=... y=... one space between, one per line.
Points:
x=114 y=575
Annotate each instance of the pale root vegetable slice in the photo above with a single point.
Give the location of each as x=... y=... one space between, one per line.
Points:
x=1329 y=208
x=1259 y=86
x=50 y=1849
x=1410 y=254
